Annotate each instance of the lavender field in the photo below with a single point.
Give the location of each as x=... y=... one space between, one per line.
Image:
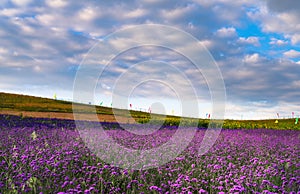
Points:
x=48 y=156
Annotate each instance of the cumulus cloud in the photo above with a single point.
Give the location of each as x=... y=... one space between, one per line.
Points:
x=292 y=53
x=279 y=17
x=252 y=58
x=136 y=13
x=21 y=2
x=278 y=42
x=249 y=40
x=226 y=32
x=283 y=6
x=10 y=12
x=88 y=13
x=57 y=3
x=295 y=38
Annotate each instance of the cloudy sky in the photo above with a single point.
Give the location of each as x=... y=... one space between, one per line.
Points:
x=255 y=44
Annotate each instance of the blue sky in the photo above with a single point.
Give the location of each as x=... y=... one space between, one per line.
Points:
x=255 y=43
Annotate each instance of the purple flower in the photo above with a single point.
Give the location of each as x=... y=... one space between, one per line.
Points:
x=134 y=181
x=194 y=180
x=91 y=188
x=216 y=167
x=65 y=184
x=156 y=188
x=176 y=185
x=114 y=173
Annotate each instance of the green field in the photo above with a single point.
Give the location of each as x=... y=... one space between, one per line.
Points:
x=16 y=102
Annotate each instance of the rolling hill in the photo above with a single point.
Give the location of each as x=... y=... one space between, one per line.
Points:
x=32 y=106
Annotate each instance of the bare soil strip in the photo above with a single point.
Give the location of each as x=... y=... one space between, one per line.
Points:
x=58 y=115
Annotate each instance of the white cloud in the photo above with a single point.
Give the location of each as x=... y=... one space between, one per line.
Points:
x=292 y=53
x=296 y=84
x=284 y=22
x=22 y=24
x=106 y=87
x=21 y=2
x=207 y=43
x=241 y=73
x=88 y=14
x=3 y=50
x=136 y=13
x=250 y=40
x=46 y=19
x=295 y=39
x=278 y=42
x=37 y=68
x=262 y=110
x=226 y=2
x=56 y=3
x=226 y=32
x=176 y=13
x=10 y=12
x=151 y=1
x=254 y=58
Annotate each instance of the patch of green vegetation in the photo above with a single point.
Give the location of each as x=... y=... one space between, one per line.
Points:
x=261 y=124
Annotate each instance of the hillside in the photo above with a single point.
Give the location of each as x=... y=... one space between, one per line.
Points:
x=27 y=105
x=49 y=108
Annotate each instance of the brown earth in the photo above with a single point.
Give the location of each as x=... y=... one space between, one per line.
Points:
x=81 y=116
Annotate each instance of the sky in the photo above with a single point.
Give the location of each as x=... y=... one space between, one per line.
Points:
x=254 y=43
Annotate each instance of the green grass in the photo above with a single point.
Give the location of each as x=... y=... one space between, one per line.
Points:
x=18 y=102
x=30 y=103
x=264 y=124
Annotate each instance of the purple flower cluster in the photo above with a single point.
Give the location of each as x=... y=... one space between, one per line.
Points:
x=56 y=160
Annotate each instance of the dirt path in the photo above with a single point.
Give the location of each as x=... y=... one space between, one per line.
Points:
x=58 y=115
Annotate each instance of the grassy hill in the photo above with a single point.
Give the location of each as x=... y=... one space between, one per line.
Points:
x=31 y=103
x=17 y=102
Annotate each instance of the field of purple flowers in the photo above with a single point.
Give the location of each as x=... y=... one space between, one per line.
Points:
x=48 y=156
